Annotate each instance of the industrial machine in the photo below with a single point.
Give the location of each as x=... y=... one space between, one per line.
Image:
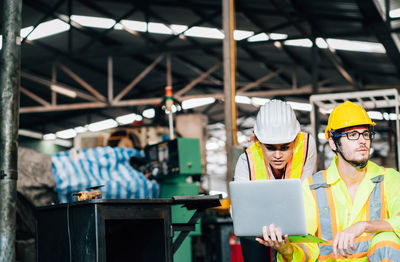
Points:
x=175 y=164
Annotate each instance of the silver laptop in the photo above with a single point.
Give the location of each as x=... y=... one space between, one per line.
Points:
x=264 y=202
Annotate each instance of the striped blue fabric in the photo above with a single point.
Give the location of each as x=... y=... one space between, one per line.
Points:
x=101 y=166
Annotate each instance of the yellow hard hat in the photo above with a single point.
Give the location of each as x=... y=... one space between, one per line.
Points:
x=347 y=114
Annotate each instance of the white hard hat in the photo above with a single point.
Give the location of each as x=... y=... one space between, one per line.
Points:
x=276 y=123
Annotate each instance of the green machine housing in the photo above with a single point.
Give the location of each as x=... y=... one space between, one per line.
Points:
x=174 y=158
x=170 y=163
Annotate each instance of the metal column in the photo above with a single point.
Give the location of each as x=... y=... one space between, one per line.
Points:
x=9 y=89
x=229 y=54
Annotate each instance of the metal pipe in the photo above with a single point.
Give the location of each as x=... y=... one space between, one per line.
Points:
x=229 y=56
x=314 y=75
x=9 y=90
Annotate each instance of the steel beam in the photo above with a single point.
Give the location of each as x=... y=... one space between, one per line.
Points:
x=229 y=55
x=197 y=80
x=138 y=78
x=10 y=61
x=82 y=82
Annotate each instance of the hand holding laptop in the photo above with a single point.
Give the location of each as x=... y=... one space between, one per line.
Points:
x=272 y=237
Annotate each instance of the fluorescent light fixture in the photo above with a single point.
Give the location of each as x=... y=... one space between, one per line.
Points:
x=49 y=28
x=62 y=142
x=394 y=13
x=63 y=91
x=1 y=41
x=102 y=125
x=49 y=136
x=128 y=119
x=197 y=102
x=241 y=34
x=66 y=134
x=177 y=29
x=258 y=38
x=358 y=46
x=91 y=21
x=159 y=28
x=29 y=133
x=81 y=129
x=132 y=25
x=299 y=42
x=321 y=43
x=205 y=32
x=259 y=101
x=25 y=31
x=276 y=36
x=392 y=116
x=149 y=113
x=376 y=115
x=243 y=100
x=300 y=106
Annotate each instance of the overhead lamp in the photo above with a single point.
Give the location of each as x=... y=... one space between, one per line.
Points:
x=81 y=129
x=394 y=13
x=243 y=100
x=300 y=106
x=92 y=21
x=358 y=46
x=49 y=136
x=159 y=28
x=128 y=119
x=66 y=134
x=206 y=32
x=29 y=133
x=149 y=113
x=259 y=101
x=62 y=142
x=102 y=125
x=49 y=28
x=63 y=91
x=197 y=102
x=305 y=42
x=138 y=26
x=241 y=34
x=376 y=115
x=258 y=37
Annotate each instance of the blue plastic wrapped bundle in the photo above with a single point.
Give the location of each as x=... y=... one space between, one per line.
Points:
x=108 y=166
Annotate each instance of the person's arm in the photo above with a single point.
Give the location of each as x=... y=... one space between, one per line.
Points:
x=344 y=239
x=311 y=161
x=272 y=237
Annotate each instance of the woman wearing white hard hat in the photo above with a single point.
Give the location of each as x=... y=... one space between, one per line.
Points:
x=280 y=151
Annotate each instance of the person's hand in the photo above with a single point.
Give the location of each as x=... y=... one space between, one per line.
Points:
x=345 y=239
x=272 y=237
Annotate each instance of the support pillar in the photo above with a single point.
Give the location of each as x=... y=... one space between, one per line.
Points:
x=9 y=91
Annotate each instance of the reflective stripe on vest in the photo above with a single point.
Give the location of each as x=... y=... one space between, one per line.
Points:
x=326 y=214
x=294 y=168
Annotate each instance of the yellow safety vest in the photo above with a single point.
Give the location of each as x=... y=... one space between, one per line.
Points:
x=258 y=165
x=327 y=226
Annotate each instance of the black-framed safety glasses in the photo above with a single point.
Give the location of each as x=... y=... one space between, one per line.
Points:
x=355 y=135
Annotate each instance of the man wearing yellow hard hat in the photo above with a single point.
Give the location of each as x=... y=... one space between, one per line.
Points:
x=354 y=204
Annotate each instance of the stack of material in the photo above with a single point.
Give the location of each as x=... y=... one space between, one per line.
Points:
x=76 y=171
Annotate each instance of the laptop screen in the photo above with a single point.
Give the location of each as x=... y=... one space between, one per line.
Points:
x=264 y=202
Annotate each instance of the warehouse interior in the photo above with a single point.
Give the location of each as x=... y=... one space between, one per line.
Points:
x=163 y=78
